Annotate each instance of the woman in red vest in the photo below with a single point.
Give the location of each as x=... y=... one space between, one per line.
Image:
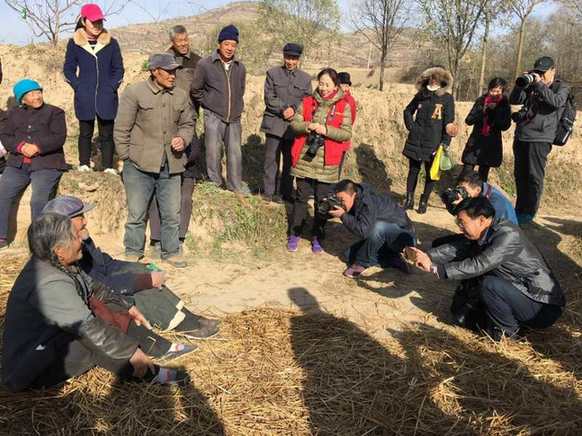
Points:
x=323 y=125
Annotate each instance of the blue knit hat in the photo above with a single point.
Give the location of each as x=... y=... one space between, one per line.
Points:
x=24 y=86
x=228 y=33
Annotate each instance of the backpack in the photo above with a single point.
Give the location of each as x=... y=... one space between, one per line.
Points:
x=566 y=121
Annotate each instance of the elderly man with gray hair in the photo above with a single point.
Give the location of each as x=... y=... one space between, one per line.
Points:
x=154 y=125
x=180 y=49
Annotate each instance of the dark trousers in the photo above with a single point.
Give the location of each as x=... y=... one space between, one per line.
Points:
x=75 y=356
x=483 y=171
x=13 y=183
x=529 y=170
x=305 y=189
x=187 y=190
x=275 y=149
x=413 y=172
x=385 y=242
x=507 y=308
x=86 y=128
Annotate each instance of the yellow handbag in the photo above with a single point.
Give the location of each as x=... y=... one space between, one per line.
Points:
x=435 y=168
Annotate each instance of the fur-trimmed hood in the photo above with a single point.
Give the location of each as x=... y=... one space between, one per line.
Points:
x=81 y=40
x=440 y=74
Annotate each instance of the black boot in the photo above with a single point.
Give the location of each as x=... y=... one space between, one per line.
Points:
x=409 y=202
x=423 y=205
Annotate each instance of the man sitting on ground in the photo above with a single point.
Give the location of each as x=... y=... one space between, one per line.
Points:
x=380 y=222
x=160 y=306
x=514 y=285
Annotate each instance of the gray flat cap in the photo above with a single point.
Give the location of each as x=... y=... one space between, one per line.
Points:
x=165 y=61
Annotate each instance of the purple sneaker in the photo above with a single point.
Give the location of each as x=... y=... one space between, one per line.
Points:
x=316 y=247
x=354 y=271
x=292 y=243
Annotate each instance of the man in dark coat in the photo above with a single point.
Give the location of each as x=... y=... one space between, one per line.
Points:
x=543 y=102
x=219 y=87
x=34 y=134
x=94 y=69
x=285 y=87
x=427 y=117
x=379 y=221
x=516 y=287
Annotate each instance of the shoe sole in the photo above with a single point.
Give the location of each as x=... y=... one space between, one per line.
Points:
x=176 y=355
x=190 y=336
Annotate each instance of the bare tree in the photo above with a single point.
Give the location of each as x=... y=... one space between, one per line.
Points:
x=302 y=21
x=50 y=18
x=522 y=9
x=381 y=22
x=574 y=6
x=454 y=22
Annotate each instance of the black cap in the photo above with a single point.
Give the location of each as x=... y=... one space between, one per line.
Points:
x=344 y=78
x=293 y=49
x=544 y=64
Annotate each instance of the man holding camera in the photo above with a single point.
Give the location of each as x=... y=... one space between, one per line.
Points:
x=513 y=284
x=381 y=223
x=543 y=98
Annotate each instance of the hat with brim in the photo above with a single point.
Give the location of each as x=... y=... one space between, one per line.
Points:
x=292 y=49
x=24 y=86
x=165 y=61
x=67 y=205
x=544 y=64
x=92 y=12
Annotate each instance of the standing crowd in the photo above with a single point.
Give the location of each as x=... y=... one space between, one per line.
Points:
x=83 y=308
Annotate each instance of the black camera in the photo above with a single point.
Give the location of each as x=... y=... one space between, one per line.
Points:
x=328 y=204
x=527 y=79
x=314 y=142
x=451 y=196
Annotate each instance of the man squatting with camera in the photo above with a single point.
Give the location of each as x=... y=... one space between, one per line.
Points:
x=512 y=285
x=381 y=223
x=543 y=98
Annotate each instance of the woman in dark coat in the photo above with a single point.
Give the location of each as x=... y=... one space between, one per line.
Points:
x=100 y=72
x=426 y=117
x=34 y=134
x=490 y=115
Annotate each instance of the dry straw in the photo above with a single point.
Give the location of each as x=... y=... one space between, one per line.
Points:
x=288 y=373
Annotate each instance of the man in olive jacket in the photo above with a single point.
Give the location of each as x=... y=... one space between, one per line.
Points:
x=285 y=87
x=516 y=286
x=154 y=125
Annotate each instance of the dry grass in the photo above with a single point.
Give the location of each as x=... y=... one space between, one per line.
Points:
x=286 y=372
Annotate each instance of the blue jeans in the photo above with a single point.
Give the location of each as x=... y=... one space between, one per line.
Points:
x=382 y=245
x=139 y=189
x=13 y=183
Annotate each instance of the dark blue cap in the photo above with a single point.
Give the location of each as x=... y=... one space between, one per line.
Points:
x=293 y=49
x=228 y=33
x=67 y=205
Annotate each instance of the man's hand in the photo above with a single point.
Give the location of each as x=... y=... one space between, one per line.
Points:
x=420 y=258
x=178 y=144
x=138 y=317
x=141 y=363
x=337 y=212
x=536 y=76
x=452 y=130
x=158 y=279
x=288 y=113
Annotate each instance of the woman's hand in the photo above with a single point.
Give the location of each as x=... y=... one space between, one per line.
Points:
x=317 y=128
x=141 y=363
x=138 y=317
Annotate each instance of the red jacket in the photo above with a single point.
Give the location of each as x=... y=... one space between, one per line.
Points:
x=333 y=151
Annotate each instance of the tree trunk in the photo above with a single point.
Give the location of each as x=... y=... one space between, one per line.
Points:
x=520 y=41
x=483 y=57
x=382 y=66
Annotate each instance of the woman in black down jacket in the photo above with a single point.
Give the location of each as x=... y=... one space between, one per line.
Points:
x=426 y=118
x=490 y=115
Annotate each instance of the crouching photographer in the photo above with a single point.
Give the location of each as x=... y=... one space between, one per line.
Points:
x=544 y=100
x=507 y=283
x=381 y=223
x=323 y=125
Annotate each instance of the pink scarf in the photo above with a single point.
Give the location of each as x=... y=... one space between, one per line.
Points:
x=486 y=129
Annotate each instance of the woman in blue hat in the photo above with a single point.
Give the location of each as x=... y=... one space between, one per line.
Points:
x=34 y=134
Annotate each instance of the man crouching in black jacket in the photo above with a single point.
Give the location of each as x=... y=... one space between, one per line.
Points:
x=379 y=221
x=516 y=287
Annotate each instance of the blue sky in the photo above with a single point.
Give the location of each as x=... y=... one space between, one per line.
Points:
x=15 y=31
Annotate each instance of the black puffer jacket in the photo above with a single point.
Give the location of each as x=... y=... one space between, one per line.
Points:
x=503 y=252
x=44 y=311
x=427 y=115
x=481 y=149
x=369 y=208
